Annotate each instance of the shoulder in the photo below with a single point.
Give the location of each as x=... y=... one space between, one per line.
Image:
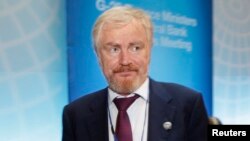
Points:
x=172 y=87
x=174 y=91
x=186 y=99
x=83 y=103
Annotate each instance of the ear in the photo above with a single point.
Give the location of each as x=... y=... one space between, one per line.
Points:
x=97 y=53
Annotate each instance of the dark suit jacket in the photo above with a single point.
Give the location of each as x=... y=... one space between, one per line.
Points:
x=86 y=118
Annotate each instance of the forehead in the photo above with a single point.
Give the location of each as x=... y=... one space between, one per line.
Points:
x=132 y=31
x=121 y=24
x=122 y=32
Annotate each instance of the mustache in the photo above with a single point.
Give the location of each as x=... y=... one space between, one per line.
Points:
x=125 y=68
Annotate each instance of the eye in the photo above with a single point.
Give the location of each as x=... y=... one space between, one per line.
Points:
x=135 y=48
x=114 y=49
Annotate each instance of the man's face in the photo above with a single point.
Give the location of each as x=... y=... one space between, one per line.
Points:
x=124 y=55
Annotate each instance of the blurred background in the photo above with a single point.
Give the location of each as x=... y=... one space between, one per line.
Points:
x=47 y=60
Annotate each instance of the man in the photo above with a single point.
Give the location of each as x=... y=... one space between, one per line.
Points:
x=158 y=112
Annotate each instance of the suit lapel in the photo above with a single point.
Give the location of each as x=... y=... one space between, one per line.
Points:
x=160 y=111
x=98 y=122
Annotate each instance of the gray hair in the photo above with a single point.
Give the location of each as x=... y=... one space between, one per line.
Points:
x=119 y=16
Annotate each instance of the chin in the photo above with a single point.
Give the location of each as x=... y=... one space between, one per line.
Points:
x=125 y=86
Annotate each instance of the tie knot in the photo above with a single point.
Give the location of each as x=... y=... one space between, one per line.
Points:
x=122 y=104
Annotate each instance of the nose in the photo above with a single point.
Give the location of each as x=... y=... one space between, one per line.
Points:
x=125 y=58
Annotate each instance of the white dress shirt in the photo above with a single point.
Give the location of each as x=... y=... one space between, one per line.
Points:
x=137 y=112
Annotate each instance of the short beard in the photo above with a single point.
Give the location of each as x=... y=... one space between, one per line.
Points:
x=123 y=87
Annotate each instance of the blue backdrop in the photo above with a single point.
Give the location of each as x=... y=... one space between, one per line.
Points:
x=182 y=51
x=33 y=69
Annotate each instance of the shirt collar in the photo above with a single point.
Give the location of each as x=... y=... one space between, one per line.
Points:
x=142 y=91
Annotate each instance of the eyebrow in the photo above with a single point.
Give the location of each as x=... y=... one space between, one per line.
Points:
x=136 y=43
x=118 y=45
x=111 y=44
